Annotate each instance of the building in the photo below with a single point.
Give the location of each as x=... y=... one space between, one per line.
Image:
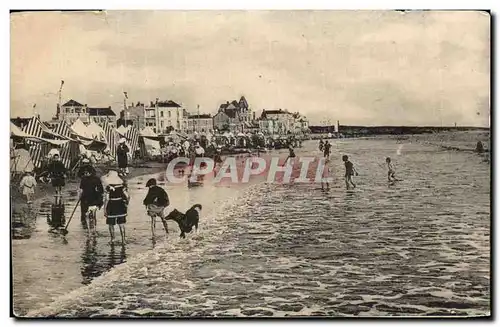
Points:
x=133 y=116
x=170 y=115
x=73 y=110
x=200 y=123
x=300 y=124
x=101 y=115
x=234 y=116
x=150 y=117
x=277 y=122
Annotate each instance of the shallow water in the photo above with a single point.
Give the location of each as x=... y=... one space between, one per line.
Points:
x=419 y=247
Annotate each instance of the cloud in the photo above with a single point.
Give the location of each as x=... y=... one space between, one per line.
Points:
x=380 y=67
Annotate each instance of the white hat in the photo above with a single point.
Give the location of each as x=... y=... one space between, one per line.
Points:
x=112 y=178
x=122 y=140
x=85 y=160
x=54 y=152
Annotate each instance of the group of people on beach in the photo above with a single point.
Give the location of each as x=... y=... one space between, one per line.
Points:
x=350 y=171
x=111 y=192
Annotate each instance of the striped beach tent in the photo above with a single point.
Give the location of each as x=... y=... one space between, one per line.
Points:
x=111 y=136
x=70 y=150
x=132 y=135
x=37 y=150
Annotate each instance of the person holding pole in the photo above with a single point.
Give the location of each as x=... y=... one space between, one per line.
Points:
x=57 y=175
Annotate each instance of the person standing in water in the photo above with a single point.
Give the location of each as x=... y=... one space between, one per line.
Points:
x=327 y=148
x=116 y=204
x=122 y=157
x=27 y=185
x=57 y=174
x=291 y=155
x=91 y=195
x=349 y=172
x=391 y=172
x=321 y=145
x=156 y=202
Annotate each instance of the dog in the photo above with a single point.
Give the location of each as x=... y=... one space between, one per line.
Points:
x=186 y=221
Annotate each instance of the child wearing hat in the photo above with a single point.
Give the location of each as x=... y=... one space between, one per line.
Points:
x=116 y=201
x=156 y=201
x=27 y=185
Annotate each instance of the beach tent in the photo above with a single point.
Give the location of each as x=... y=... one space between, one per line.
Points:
x=148 y=132
x=96 y=131
x=151 y=146
x=21 y=161
x=122 y=130
x=81 y=130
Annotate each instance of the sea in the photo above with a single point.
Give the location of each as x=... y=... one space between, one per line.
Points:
x=416 y=247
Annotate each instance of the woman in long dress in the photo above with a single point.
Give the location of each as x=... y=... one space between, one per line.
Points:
x=115 y=204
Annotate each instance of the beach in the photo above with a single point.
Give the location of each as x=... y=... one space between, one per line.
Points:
x=420 y=247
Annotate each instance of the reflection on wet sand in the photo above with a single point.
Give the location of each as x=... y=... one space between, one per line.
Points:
x=95 y=264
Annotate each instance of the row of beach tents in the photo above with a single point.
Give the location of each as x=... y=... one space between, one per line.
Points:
x=71 y=141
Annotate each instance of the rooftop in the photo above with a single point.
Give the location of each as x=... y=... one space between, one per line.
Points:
x=101 y=112
x=73 y=103
x=202 y=116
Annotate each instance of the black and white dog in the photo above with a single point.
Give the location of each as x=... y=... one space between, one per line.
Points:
x=186 y=221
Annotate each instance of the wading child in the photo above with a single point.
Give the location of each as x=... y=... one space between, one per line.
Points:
x=116 y=204
x=349 y=172
x=327 y=148
x=156 y=201
x=27 y=185
x=390 y=170
x=291 y=156
x=325 y=176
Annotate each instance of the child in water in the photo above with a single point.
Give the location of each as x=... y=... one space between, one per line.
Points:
x=349 y=172
x=391 y=172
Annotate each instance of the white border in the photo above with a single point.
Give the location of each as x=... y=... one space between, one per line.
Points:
x=200 y=4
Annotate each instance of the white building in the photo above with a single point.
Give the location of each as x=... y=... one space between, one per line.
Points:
x=170 y=115
x=73 y=110
x=300 y=123
x=277 y=121
x=200 y=123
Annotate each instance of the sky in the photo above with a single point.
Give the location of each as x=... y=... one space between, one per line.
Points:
x=358 y=67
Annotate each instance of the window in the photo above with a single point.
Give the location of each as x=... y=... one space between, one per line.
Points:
x=161 y=113
x=161 y=124
x=169 y=114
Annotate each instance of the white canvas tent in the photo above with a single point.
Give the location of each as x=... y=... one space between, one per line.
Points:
x=122 y=130
x=96 y=131
x=148 y=132
x=152 y=146
x=21 y=161
x=81 y=130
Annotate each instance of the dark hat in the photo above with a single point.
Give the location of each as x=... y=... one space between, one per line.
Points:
x=151 y=182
